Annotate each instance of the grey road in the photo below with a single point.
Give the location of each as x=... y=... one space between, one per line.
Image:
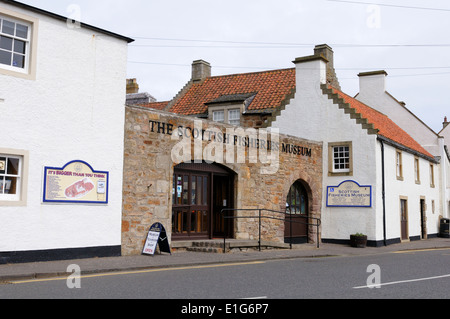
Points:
x=411 y=275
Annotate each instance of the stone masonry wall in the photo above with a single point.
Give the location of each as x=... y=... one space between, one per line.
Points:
x=149 y=166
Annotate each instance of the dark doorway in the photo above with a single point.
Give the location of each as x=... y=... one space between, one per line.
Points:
x=423 y=219
x=222 y=194
x=297 y=214
x=404 y=219
x=199 y=193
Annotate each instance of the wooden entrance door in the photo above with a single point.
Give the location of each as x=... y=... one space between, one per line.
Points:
x=297 y=213
x=199 y=193
x=222 y=199
x=190 y=205
x=404 y=219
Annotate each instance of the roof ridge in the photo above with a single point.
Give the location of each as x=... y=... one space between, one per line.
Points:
x=412 y=144
x=249 y=73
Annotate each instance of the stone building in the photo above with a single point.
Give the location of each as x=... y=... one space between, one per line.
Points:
x=182 y=172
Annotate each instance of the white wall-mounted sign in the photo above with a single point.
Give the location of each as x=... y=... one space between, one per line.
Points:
x=349 y=194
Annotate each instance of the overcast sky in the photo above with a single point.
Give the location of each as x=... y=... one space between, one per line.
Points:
x=407 y=38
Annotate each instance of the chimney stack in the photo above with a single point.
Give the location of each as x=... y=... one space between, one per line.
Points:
x=132 y=86
x=445 y=122
x=200 y=70
x=327 y=53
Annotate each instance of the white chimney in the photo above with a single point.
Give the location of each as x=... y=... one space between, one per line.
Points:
x=372 y=84
x=311 y=71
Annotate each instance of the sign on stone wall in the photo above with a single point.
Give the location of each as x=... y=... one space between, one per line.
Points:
x=76 y=182
x=349 y=194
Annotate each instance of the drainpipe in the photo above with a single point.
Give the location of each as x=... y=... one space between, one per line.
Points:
x=383 y=192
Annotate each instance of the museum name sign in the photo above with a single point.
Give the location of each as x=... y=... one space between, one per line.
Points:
x=248 y=138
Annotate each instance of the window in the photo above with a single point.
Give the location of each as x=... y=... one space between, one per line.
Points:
x=399 y=166
x=18 y=44
x=416 y=170
x=13 y=170
x=431 y=175
x=234 y=117
x=340 y=159
x=219 y=116
x=10 y=168
x=14 y=43
x=297 y=200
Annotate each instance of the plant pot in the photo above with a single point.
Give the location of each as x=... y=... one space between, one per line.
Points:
x=358 y=241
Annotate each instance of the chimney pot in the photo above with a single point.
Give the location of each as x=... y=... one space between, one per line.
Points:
x=445 y=122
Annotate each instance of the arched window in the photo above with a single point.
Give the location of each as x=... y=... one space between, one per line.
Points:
x=297 y=200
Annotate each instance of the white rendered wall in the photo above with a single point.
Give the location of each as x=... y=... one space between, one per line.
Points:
x=373 y=92
x=73 y=110
x=413 y=192
x=313 y=116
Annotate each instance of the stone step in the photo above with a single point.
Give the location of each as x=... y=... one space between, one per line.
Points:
x=216 y=245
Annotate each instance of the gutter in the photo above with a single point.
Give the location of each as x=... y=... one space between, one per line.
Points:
x=407 y=149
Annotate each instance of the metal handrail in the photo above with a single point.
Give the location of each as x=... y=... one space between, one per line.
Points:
x=260 y=217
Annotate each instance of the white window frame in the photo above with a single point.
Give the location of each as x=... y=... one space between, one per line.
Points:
x=399 y=165
x=14 y=38
x=219 y=116
x=20 y=197
x=432 y=176
x=29 y=71
x=417 y=170
x=342 y=147
x=232 y=118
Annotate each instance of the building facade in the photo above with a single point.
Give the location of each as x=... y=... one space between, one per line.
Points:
x=382 y=176
x=61 y=154
x=184 y=172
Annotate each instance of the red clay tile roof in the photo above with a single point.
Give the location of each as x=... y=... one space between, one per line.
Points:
x=387 y=128
x=271 y=88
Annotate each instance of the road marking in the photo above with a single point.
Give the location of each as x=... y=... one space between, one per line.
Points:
x=262 y=297
x=402 y=282
x=137 y=272
x=418 y=250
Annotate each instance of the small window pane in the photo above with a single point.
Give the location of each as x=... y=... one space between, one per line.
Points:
x=193 y=190
x=8 y=27
x=5 y=57
x=2 y=165
x=218 y=116
x=205 y=189
x=6 y=43
x=10 y=186
x=19 y=46
x=234 y=117
x=22 y=31
x=13 y=166
x=19 y=61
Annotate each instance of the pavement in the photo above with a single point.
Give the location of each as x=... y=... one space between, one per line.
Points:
x=40 y=270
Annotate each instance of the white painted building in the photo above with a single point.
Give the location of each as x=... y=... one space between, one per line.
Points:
x=445 y=162
x=376 y=156
x=373 y=92
x=62 y=96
